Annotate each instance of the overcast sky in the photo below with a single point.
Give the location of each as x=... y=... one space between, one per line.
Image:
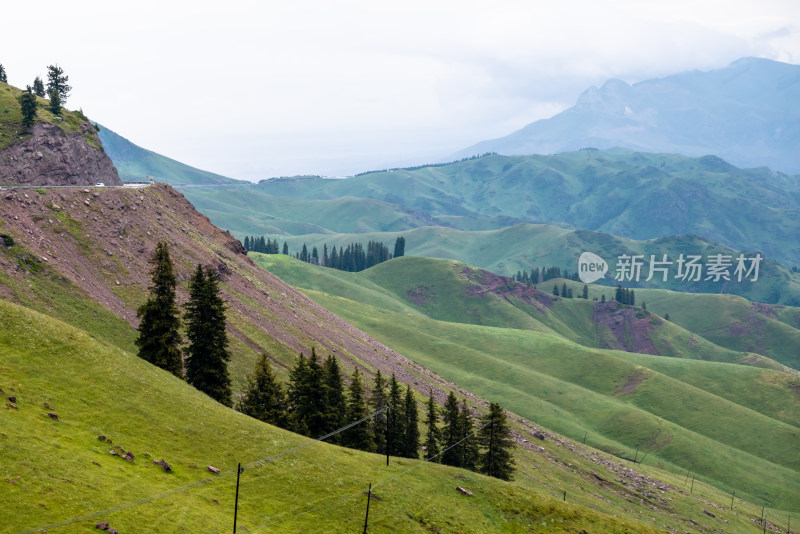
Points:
x=255 y=89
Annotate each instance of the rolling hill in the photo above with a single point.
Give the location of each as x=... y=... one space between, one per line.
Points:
x=538 y=355
x=746 y=113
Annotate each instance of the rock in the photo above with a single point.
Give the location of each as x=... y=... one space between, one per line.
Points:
x=66 y=159
x=708 y=513
x=112 y=452
x=213 y=469
x=538 y=435
x=102 y=526
x=164 y=465
x=112 y=531
x=128 y=456
x=12 y=398
x=12 y=406
x=47 y=406
x=101 y=437
x=463 y=491
x=52 y=415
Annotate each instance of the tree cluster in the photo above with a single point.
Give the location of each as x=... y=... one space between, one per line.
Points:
x=353 y=258
x=206 y=355
x=625 y=296
x=537 y=275
x=316 y=402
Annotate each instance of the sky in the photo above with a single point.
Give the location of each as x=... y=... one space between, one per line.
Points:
x=258 y=89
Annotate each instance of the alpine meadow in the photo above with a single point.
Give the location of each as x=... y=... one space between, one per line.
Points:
x=587 y=325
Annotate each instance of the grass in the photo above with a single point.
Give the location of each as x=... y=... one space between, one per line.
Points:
x=623 y=401
x=58 y=469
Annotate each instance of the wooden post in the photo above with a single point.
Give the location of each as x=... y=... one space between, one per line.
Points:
x=732 y=497
x=687 y=477
x=692 y=491
x=636 y=457
x=565 y=495
x=388 y=412
x=584 y=437
x=236 y=503
x=369 y=498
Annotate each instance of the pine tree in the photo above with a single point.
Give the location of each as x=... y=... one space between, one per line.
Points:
x=335 y=403
x=307 y=397
x=495 y=438
x=38 y=87
x=555 y=290
x=564 y=290
x=246 y=243
x=585 y=292
x=159 y=326
x=57 y=81
x=410 y=447
x=264 y=398
x=400 y=247
x=397 y=418
x=285 y=248
x=378 y=401
x=3 y=75
x=618 y=297
x=27 y=103
x=468 y=449
x=55 y=102
x=207 y=354
x=451 y=433
x=603 y=297
x=433 y=435
x=360 y=436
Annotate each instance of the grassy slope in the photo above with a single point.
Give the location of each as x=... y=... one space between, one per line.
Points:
x=59 y=469
x=635 y=195
x=574 y=389
x=11 y=118
x=134 y=164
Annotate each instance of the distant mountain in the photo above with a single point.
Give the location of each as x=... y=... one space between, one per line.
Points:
x=629 y=194
x=747 y=113
x=135 y=163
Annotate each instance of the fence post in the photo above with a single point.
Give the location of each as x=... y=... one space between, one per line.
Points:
x=236 y=503
x=369 y=498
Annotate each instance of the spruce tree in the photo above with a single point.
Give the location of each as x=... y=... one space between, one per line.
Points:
x=468 y=448
x=399 y=247
x=397 y=416
x=264 y=398
x=585 y=292
x=57 y=81
x=159 y=319
x=27 y=103
x=307 y=397
x=360 y=436
x=410 y=447
x=451 y=433
x=3 y=75
x=207 y=354
x=495 y=438
x=38 y=87
x=378 y=401
x=55 y=102
x=433 y=435
x=285 y=248
x=335 y=403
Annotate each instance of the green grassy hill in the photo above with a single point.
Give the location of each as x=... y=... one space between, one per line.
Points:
x=135 y=163
x=57 y=470
x=621 y=401
x=630 y=194
x=510 y=250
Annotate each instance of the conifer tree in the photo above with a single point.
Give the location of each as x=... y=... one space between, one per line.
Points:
x=335 y=403
x=397 y=418
x=585 y=292
x=378 y=400
x=246 y=243
x=555 y=290
x=400 y=247
x=451 y=433
x=564 y=290
x=285 y=248
x=360 y=436
x=264 y=398
x=307 y=397
x=55 y=102
x=468 y=448
x=3 y=75
x=433 y=435
x=207 y=354
x=57 y=81
x=27 y=103
x=38 y=87
x=410 y=447
x=495 y=439
x=159 y=319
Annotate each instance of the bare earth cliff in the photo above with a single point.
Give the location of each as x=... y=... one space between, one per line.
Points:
x=50 y=156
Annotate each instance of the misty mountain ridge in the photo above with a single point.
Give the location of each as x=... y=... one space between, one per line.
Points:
x=747 y=113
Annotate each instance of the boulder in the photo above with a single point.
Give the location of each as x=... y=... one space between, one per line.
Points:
x=464 y=491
